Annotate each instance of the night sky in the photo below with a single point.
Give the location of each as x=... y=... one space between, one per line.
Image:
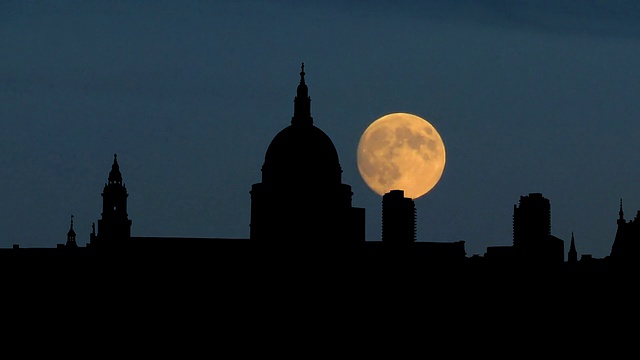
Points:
x=528 y=96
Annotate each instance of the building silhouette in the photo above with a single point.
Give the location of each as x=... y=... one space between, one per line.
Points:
x=532 y=239
x=304 y=229
x=626 y=244
x=533 y=242
x=71 y=236
x=531 y=220
x=307 y=272
x=301 y=198
x=398 y=218
x=114 y=227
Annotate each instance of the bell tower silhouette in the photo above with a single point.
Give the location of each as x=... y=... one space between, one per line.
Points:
x=115 y=226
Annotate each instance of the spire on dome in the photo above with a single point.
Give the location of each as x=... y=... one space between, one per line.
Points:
x=302 y=103
x=114 y=175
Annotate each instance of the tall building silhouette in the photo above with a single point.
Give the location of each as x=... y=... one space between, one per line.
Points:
x=301 y=197
x=531 y=219
x=114 y=227
x=398 y=218
x=532 y=239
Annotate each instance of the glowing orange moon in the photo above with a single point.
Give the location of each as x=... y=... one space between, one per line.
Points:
x=401 y=151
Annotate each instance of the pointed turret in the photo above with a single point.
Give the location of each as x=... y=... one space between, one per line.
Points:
x=625 y=244
x=573 y=254
x=621 y=214
x=71 y=236
x=115 y=177
x=115 y=225
x=302 y=103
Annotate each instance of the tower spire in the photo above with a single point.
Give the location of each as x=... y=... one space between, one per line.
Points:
x=114 y=175
x=115 y=225
x=302 y=103
x=620 y=213
x=71 y=231
x=71 y=235
x=573 y=253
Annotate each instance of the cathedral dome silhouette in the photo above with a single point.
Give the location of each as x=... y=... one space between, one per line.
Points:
x=301 y=152
x=301 y=196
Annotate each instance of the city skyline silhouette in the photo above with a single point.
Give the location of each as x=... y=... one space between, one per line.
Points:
x=529 y=98
x=323 y=224
x=161 y=160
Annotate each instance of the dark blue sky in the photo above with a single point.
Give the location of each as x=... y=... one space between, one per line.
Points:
x=529 y=96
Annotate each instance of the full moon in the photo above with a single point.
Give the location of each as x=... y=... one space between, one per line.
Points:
x=401 y=151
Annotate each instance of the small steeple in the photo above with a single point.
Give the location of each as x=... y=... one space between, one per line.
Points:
x=302 y=103
x=573 y=254
x=620 y=214
x=115 y=177
x=71 y=235
x=71 y=231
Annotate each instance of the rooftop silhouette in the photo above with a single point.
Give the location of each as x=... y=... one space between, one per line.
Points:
x=304 y=225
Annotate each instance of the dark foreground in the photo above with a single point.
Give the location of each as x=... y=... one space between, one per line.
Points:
x=277 y=301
